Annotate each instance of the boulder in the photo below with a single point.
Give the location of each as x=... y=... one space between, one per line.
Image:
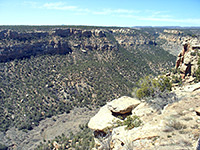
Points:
x=102 y=120
x=123 y=105
x=105 y=117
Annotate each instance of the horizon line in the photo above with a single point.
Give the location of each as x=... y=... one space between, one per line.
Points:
x=99 y=25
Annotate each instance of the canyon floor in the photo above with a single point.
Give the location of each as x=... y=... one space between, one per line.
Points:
x=48 y=129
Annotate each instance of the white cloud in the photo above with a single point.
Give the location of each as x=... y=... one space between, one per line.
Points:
x=140 y=15
x=30 y=3
x=115 y=11
x=64 y=7
x=58 y=6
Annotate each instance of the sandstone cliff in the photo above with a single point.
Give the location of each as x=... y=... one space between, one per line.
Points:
x=20 y=44
x=187 y=60
x=16 y=45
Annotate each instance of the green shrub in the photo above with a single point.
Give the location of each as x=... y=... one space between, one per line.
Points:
x=193 y=53
x=197 y=73
x=176 y=79
x=130 y=122
x=163 y=83
x=149 y=86
x=144 y=92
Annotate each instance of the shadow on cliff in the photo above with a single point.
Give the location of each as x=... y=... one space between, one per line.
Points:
x=35 y=50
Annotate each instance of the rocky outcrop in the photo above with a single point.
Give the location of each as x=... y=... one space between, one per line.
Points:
x=187 y=60
x=102 y=120
x=173 y=31
x=177 y=123
x=123 y=139
x=33 y=49
x=120 y=137
x=131 y=39
x=107 y=115
x=123 y=105
x=22 y=36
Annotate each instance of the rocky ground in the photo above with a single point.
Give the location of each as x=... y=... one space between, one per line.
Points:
x=48 y=129
x=177 y=126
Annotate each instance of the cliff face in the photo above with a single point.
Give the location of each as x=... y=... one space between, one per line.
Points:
x=16 y=45
x=187 y=60
x=172 y=40
x=131 y=39
x=169 y=40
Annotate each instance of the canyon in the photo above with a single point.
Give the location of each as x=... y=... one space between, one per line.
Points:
x=47 y=73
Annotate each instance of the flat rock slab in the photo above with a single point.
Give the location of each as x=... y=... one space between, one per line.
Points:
x=123 y=105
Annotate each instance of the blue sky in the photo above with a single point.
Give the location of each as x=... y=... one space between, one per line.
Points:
x=100 y=12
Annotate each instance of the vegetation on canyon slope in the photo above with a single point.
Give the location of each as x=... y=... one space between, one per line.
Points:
x=32 y=89
x=79 y=141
